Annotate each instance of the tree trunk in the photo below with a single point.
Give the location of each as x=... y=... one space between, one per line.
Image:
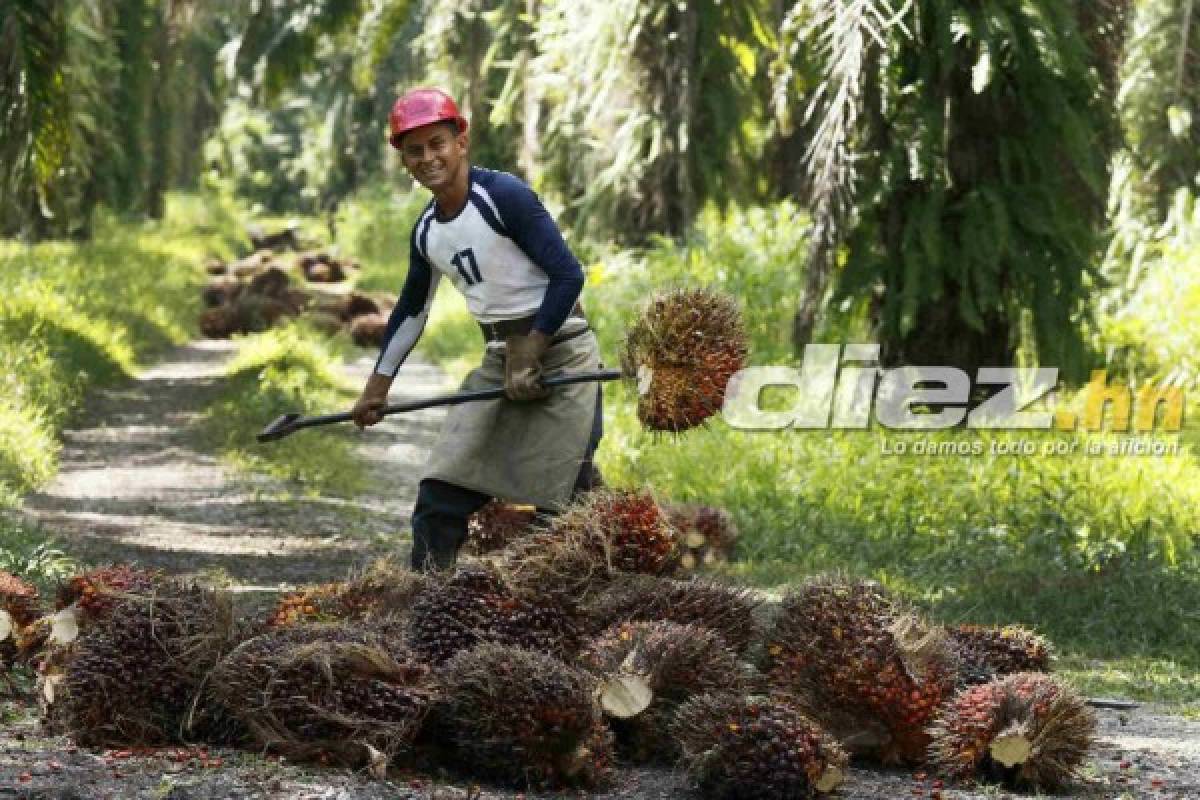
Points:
x=530 y=148
x=161 y=111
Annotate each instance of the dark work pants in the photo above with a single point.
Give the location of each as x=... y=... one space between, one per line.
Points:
x=440 y=517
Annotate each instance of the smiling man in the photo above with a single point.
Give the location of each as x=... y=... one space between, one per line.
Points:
x=489 y=235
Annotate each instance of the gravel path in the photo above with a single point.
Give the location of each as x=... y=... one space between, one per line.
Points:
x=131 y=487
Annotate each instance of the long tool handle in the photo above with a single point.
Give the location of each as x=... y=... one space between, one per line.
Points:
x=459 y=397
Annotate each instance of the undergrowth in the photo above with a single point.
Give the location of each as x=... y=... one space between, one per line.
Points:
x=287 y=369
x=74 y=317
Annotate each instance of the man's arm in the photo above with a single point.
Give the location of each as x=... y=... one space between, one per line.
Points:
x=529 y=224
x=404 y=329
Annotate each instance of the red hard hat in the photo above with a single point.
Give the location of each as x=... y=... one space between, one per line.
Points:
x=422 y=107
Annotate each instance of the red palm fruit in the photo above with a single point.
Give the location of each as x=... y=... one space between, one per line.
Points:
x=494 y=526
x=19 y=598
x=384 y=588
x=95 y=591
x=756 y=748
x=683 y=350
x=523 y=718
x=647 y=669
x=1029 y=730
x=986 y=653
x=604 y=533
x=864 y=665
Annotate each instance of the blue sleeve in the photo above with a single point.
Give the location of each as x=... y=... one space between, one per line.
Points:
x=529 y=224
x=407 y=320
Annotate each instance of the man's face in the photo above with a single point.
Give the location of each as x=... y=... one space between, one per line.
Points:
x=434 y=154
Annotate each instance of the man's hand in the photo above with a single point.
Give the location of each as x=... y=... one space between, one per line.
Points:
x=523 y=366
x=367 y=411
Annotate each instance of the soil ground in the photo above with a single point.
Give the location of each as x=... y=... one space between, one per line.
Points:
x=133 y=487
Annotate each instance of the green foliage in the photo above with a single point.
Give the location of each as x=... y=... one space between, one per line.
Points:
x=374 y=225
x=750 y=253
x=647 y=106
x=1154 y=336
x=30 y=553
x=56 y=74
x=290 y=369
x=74 y=317
x=979 y=153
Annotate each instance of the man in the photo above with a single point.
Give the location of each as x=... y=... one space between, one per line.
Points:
x=488 y=233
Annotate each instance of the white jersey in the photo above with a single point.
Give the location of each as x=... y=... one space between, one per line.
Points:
x=503 y=251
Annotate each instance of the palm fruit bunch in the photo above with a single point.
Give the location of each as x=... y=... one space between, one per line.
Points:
x=728 y=610
x=19 y=609
x=494 y=526
x=221 y=291
x=369 y=330
x=864 y=664
x=683 y=350
x=384 y=588
x=647 y=669
x=327 y=691
x=136 y=677
x=605 y=532
x=96 y=591
x=474 y=605
x=523 y=718
x=321 y=267
x=756 y=748
x=706 y=535
x=986 y=652
x=1029 y=730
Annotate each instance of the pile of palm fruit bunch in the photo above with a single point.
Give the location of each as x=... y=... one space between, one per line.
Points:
x=256 y=292
x=615 y=659
x=682 y=350
x=363 y=317
x=706 y=534
x=254 y=298
x=137 y=675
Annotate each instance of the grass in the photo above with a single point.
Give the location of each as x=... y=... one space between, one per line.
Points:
x=77 y=316
x=286 y=369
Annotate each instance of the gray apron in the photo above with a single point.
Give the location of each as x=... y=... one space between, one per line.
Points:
x=526 y=452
